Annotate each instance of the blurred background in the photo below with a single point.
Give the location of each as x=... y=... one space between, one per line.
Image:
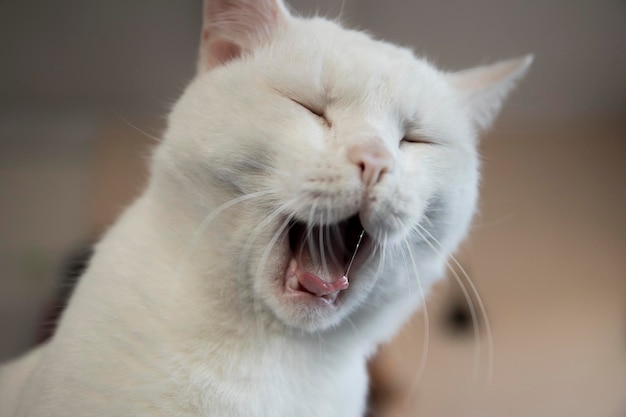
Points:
x=84 y=84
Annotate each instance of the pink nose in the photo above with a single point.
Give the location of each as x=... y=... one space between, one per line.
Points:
x=372 y=159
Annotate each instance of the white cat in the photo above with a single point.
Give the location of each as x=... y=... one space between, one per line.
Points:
x=221 y=290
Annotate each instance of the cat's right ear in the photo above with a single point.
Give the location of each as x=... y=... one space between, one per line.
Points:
x=483 y=89
x=231 y=28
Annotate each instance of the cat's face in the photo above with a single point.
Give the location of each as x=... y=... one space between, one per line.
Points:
x=322 y=133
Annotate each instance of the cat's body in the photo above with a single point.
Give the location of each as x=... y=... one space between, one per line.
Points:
x=208 y=298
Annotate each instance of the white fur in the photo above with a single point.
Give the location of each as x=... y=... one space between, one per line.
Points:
x=180 y=313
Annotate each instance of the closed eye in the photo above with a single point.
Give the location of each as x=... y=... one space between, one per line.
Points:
x=318 y=114
x=417 y=140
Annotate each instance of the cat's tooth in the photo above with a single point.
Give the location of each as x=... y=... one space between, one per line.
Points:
x=291 y=279
x=291 y=269
x=292 y=283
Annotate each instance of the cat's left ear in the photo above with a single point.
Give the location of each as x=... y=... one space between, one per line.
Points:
x=231 y=28
x=483 y=89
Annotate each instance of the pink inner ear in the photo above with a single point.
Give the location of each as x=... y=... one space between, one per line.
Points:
x=235 y=27
x=222 y=51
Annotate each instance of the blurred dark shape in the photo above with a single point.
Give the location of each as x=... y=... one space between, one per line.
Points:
x=74 y=267
x=458 y=319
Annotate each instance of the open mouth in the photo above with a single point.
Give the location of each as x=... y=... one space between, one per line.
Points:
x=322 y=257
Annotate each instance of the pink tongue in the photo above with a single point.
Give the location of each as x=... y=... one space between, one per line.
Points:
x=315 y=285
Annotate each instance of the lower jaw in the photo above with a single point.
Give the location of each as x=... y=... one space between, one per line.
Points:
x=311 y=300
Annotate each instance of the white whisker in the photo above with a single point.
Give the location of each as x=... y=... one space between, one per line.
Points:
x=201 y=229
x=281 y=210
x=265 y=256
x=309 y=234
x=426 y=342
x=320 y=243
x=270 y=246
x=138 y=129
x=329 y=243
x=356 y=249
x=466 y=295
x=382 y=258
x=483 y=311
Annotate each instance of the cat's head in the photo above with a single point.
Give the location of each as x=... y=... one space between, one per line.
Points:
x=298 y=135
